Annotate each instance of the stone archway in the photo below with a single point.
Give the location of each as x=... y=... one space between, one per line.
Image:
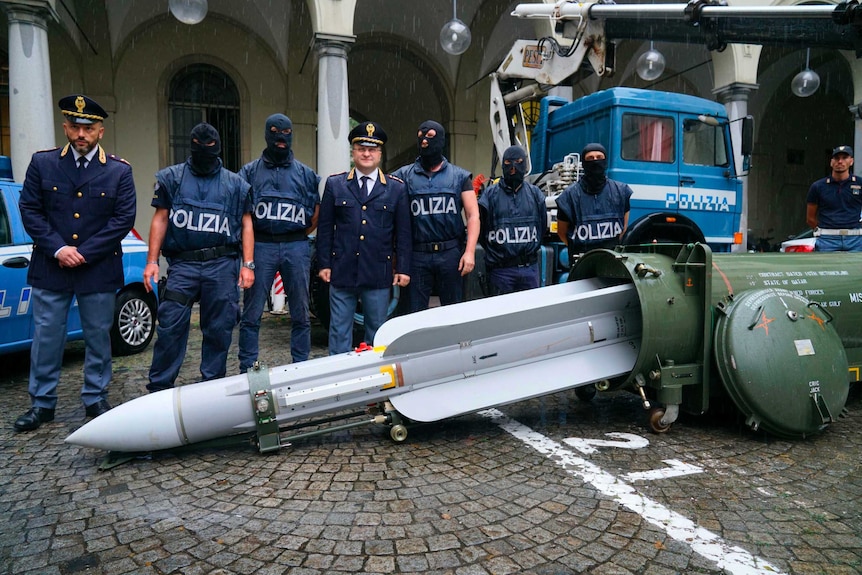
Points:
x=790 y=155
x=392 y=82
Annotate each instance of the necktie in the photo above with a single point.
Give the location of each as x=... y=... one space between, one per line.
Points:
x=81 y=161
x=366 y=185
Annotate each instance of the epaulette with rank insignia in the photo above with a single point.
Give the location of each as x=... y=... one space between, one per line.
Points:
x=119 y=159
x=396 y=178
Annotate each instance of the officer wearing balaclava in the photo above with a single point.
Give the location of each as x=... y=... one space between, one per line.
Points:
x=441 y=201
x=203 y=227
x=594 y=211
x=286 y=206
x=513 y=222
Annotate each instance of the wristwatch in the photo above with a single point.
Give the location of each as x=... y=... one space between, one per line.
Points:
x=249 y=265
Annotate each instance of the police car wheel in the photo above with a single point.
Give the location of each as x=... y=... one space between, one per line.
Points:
x=134 y=322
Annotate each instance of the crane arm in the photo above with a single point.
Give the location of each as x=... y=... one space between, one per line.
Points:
x=582 y=31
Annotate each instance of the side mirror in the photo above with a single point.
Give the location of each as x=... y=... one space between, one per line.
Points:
x=747 y=144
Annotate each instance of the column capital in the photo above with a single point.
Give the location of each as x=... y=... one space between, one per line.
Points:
x=35 y=12
x=735 y=92
x=332 y=44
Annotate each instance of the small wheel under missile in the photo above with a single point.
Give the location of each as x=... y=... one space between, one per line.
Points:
x=398 y=433
x=655 y=422
x=586 y=392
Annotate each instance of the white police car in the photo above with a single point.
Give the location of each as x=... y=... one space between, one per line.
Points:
x=800 y=243
x=135 y=310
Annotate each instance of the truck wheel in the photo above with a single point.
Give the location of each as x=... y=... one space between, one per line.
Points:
x=134 y=322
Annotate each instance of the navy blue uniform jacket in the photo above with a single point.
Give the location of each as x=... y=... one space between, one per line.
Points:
x=92 y=209
x=364 y=239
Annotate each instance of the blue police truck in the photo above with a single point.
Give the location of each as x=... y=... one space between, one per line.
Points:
x=674 y=150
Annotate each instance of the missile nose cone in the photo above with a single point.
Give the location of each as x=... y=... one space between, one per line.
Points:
x=147 y=423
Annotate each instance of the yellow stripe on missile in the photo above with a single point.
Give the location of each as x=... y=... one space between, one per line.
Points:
x=855 y=372
x=390 y=370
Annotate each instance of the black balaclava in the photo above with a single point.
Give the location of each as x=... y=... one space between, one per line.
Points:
x=206 y=147
x=595 y=171
x=514 y=166
x=431 y=155
x=273 y=153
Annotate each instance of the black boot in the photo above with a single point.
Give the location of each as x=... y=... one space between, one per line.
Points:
x=34 y=418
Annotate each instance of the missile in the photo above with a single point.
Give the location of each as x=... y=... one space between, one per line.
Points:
x=430 y=365
x=779 y=335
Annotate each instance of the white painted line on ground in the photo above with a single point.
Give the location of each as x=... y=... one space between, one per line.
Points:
x=675 y=468
x=732 y=559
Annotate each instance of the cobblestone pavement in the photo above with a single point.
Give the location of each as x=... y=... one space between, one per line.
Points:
x=527 y=488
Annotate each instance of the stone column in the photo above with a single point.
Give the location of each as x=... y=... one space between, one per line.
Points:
x=333 y=105
x=856 y=110
x=735 y=99
x=31 y=103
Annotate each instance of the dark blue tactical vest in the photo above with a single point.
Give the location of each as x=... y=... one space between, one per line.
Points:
x=283 y=197
x=206 y=211
x=435 y=201
x=596 y=220
x=515 y=223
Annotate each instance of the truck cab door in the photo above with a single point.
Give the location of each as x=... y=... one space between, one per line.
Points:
x=648 y=160
x=708 y=187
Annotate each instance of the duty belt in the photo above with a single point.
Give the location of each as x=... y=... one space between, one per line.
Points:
x=277 y=238
x=828 y=232
x=518 y=262
x=205 y=254
x=436 y=246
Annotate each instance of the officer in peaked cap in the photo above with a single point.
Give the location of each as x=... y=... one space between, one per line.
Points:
x=368 y=134
x=834 y=206
x=77 y=203
x=363 y=238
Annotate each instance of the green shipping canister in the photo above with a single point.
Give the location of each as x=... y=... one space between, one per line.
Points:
x=780 y=334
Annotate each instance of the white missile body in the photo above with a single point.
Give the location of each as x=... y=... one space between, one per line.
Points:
x=429 y=365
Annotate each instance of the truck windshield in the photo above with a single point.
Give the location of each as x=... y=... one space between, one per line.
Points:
x=703 y=145
x=648 y=138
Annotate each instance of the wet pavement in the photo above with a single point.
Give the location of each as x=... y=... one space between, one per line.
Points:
x=550 y=486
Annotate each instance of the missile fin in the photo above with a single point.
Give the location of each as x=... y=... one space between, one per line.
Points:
x=518 y=383
x=448 y=326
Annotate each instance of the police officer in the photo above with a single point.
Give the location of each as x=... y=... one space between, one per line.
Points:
x=513 y=222
x=77 y=204
x=363 y=240
x=286 y=206
x=439 y=193
x=594 y=211
x=834 y=206
x=202 y=223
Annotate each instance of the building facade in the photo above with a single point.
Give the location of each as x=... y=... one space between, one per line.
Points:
x=325 y=62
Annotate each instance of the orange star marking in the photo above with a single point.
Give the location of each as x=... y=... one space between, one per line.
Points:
x=818 y=319
x=764 y=322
